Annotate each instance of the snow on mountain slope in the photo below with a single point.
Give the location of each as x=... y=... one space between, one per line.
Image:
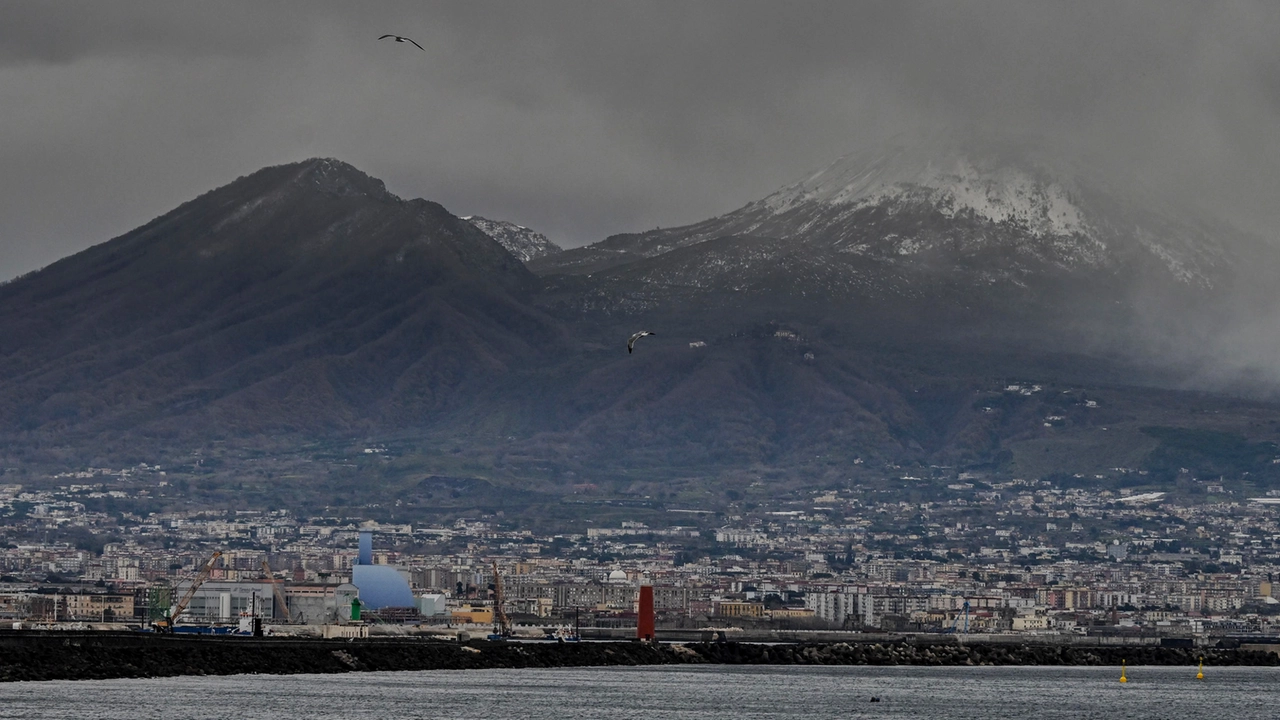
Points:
x=952 y=182
x=1052 y=212
x=998 y=211
x=519 y=240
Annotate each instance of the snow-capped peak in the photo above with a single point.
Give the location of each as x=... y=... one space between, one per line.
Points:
x=991 y=209
x=955 y=182
x=519 y=240
x=1069 y=211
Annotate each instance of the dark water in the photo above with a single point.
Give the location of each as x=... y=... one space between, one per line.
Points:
x=672 y=693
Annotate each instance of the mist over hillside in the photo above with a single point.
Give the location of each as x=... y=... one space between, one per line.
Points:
x=965 y=235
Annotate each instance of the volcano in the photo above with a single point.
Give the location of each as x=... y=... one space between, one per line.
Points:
x=924 y=305
x=303 y=298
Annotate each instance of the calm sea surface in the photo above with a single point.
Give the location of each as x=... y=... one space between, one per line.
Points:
x=663 y=693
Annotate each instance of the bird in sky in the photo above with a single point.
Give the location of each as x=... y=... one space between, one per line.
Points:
x=397 y=38
x=632 y=342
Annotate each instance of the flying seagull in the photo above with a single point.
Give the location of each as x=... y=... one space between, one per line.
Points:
x=632 y=342
x=397 y=38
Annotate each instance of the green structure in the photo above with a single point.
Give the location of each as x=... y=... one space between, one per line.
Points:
x=159 y=600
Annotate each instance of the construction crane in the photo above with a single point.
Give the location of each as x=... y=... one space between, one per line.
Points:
x=165 y=625
x=275 y=588
x=501 y=624
x=956 y=621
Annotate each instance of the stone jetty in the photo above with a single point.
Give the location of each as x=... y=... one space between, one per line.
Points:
x=78 y=656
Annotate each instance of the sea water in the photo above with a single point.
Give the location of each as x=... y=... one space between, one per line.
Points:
x=658 y=693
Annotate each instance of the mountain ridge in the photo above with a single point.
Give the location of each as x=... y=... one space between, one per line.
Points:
x=990 y=241
x=1015 y=208
x=304 y=306
x=520 y=241
x=290 y=271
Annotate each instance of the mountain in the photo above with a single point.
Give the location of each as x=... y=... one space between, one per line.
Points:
x=948 y=302
x=525 y=244
x=301 y=300
x=948 y=228
x=1001 y=213
x=302 y=337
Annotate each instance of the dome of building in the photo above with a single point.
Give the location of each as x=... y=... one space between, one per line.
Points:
x=617 y=576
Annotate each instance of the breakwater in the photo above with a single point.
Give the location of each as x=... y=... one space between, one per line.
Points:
x=76 y=656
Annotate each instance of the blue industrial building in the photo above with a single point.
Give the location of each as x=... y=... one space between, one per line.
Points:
x=381 y=586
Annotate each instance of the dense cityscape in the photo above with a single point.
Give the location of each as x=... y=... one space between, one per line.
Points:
x=1022 y=557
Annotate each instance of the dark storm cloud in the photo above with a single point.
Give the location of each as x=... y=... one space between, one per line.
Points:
x=64 y=32
x=587 y=118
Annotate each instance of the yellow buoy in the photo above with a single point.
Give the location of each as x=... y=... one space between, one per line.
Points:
x=1200 y=673
x=1123 y=679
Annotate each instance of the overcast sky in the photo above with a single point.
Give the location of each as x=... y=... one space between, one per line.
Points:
x=582 y=119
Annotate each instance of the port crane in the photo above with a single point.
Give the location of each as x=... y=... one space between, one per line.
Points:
x=956 y=621
x=165 y=625
x=501 y=623
x=275 y=588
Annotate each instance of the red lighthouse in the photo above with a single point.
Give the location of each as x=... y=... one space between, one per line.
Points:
x=644 y=621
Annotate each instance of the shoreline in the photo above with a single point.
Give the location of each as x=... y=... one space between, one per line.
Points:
x=72 y=656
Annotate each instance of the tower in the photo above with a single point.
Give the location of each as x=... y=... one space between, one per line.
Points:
x=366 y=548
x=644 y=620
